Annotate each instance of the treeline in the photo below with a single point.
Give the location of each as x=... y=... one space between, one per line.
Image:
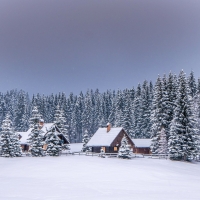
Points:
x=142 y=111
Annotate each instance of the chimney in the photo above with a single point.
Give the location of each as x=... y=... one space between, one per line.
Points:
x=108 y=127
x=41 y=123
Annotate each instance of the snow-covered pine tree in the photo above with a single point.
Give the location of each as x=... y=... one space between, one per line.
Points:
x=35 y=138
x=10 y=146
x=35 y=117
x=75 y=125
x=163 y=148
x=21 y=113
x=57 y=115
x=172 y=95
x=36 y=141
x=137 y=113
x=87 y=114
x=183 y=140
x=119 y=109
x=124 y=150
x=112 y=116
x=54 y=147
x=156 y=116
x=166 y=106
x=145 y=125
x=127 y=121
x=85 y=141
x=192 y=85
x=79 y=111
x=63 y=125
x=198 y=86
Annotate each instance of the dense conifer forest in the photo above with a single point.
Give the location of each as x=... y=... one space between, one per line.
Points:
x=166 y=111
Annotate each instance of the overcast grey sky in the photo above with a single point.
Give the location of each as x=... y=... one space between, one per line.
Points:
x=72 y=45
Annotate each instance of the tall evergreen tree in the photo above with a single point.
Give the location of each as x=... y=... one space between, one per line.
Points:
x=87 y=114
x=163 y=148
x=145 y=110
x=192 y=85
x=36 y=141
x=137 y=113
x=21 y=114
x=157 y=116
x=127 y=121
x=35 y=117
x=10 y=146
x=54 y=147
x=183 y=140
x=85 y=141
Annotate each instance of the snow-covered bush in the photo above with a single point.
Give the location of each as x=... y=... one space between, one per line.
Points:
x=125 y=149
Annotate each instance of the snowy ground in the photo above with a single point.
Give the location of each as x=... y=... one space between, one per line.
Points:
x=94 y=178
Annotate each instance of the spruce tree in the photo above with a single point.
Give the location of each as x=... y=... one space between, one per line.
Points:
x=10 y=146
x=21 y=113
x=163 y=148
x=156 y=116
x=124 y=150
x=85 y=141
x=35 y=117
x=87 y=114
x=192 y=87
x=119 y=109
x=137 y=114
x=127 y=121
x=35 y=138
x=183 y=140
x=145 y=112
x=54 y=147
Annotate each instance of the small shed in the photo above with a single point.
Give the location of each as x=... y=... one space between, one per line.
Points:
x=109 y=139
x=142 y=146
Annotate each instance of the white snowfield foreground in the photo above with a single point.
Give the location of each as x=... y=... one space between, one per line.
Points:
x=89 y=178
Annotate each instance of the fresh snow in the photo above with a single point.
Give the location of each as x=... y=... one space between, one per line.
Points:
x=104 y=138
x=86 y=177
x=75 y=147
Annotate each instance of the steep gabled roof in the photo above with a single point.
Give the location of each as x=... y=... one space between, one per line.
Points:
x=142 y=142
x=104 y=138
x=46 y=127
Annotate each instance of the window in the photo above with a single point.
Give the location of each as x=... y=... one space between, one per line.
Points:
x=115 y=148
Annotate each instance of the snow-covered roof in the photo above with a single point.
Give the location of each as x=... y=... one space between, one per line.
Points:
x=142 y=142
x=24 y=137
x=104 y=138
x=46 y=127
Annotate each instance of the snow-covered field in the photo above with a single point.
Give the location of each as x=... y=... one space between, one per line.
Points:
x=94 y=178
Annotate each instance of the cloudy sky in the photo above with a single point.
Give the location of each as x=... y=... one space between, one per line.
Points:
x=72 y=45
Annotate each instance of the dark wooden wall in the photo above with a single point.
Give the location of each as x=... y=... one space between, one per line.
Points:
x=143 y=150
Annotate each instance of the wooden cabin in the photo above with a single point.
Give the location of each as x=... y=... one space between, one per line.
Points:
x=109 y=139
x=142 y=146
x=45 y=128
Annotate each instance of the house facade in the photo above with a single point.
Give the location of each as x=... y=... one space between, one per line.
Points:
x=109 y=139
